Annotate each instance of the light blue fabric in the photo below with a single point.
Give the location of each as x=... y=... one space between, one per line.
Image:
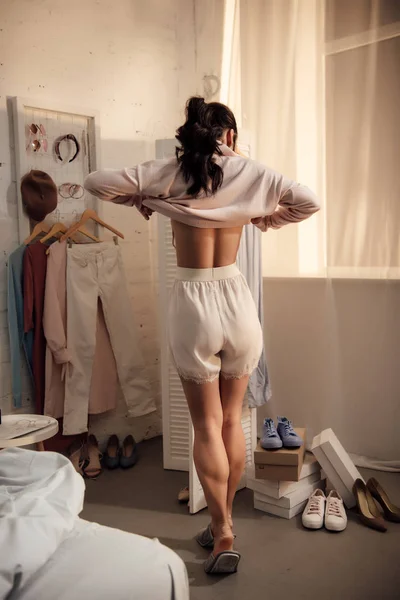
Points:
x=270 y=439
x=249 y=263
x=21 y=345
x=289 y=437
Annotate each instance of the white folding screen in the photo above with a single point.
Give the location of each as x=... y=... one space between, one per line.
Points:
x=177 y=426
x=175 y=412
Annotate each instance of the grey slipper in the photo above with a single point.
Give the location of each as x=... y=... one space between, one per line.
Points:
x=205 y=538
x=223 y=563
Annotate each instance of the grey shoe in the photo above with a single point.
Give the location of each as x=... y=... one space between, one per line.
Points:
x=205 y=538
x=223 y=563
x=289 y=437
x=111 y=455
x=270 y=439
x=129 y=453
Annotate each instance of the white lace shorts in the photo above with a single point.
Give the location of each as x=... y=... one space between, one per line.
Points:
x=213 y=324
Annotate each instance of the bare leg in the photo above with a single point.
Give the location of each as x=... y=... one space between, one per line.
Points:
x=232 y=394
x=210 y=456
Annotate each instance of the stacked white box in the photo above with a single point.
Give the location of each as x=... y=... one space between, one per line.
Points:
x=286 y=498
x=310 y=472
x=337 y=465
x=329 y=486
x=278 y=511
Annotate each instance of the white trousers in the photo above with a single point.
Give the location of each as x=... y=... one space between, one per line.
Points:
x=93 y=271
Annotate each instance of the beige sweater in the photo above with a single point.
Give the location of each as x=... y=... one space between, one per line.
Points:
x=250 y=190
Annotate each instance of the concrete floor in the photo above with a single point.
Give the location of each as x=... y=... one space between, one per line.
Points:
x=279 y=558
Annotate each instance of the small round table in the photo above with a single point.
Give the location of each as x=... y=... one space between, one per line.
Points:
x=35 y=437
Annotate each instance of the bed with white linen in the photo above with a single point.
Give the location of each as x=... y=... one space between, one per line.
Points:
x=53 y=554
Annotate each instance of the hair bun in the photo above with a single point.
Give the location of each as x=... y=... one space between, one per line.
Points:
x=196 y=109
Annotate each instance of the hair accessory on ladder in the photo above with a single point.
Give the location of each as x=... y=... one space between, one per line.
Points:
x=71 y=190
x=40 y=141
x=72 y=138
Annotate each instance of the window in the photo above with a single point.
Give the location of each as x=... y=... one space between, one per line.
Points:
x=362 y=91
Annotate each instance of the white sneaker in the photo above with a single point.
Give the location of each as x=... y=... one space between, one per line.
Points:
x=313 y=515
x=335 y=514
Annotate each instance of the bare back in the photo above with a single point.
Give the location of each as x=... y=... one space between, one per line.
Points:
x=199 y=248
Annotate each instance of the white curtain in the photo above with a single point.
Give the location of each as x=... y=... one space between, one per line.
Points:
x=318 y=86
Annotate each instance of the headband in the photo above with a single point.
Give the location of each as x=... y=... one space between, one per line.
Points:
x=57 y=143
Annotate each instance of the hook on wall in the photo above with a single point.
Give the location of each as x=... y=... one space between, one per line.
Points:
x=211 y=86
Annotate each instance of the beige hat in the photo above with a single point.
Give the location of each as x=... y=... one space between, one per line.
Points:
x=39 y=194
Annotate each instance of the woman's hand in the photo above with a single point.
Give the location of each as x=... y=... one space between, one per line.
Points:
x=146 y=212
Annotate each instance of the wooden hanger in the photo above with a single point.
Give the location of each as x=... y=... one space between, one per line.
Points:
x=57 y=228
x=39 y=228
x=89 y=214
x=82 y=229
x=61 y=228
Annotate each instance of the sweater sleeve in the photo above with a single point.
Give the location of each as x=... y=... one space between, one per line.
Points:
x=121 y=186
x=291 y=203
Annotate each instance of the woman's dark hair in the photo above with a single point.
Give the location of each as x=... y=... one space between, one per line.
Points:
x=204 y=126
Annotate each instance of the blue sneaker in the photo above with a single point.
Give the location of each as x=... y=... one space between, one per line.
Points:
x=270 y=439
x=288 y=435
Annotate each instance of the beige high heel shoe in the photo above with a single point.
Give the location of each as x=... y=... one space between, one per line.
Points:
x=391 y=512
x=368 y=512
x=76 y=457
x=93 y=468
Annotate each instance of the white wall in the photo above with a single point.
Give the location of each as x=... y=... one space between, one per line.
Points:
x=333 y=356
x=136 y=63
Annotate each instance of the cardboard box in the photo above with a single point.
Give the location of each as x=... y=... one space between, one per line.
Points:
x=293 y=499
x=280 y=465
x=278 y=511
x=337 y=465
x=310 y=472
x=284 y=457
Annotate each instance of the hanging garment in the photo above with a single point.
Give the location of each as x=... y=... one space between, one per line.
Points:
x=249 y=262
x=93 y=271
x=34 y=278
x=104 y=381
x=21 y=344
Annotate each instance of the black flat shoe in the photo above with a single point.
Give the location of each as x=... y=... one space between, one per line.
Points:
x=129 y=453
x=111 y=455
x=391 y=512
x=367 y=510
